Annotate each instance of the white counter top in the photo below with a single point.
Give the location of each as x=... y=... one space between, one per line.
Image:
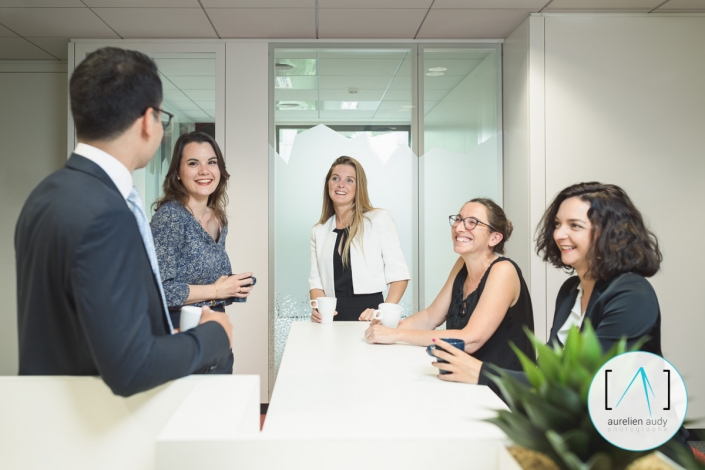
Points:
x=332 y=383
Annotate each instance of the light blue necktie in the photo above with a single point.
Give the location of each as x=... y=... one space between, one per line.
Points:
x=136 y=206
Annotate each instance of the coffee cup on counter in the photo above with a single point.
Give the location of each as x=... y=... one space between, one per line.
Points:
x=458 y=343
x=388 y=314
x=326 y=307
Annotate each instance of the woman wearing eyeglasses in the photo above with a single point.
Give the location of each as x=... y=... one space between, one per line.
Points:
x=485 y=301
x=594 y=230
x=355 y=250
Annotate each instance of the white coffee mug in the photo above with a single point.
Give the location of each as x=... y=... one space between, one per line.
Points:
x=326 y=307
x=388 y=314
x=190 y=316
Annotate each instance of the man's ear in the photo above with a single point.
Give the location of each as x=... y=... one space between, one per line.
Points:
x=148 y=123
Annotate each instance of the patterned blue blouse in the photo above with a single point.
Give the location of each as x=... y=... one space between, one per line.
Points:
x=187 y=254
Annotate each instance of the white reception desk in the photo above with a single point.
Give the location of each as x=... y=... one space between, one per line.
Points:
x=339 y=403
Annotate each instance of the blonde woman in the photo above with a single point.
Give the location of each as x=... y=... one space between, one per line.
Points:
x=355 y=250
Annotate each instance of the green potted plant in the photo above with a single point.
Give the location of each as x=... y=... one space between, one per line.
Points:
x=549 y=414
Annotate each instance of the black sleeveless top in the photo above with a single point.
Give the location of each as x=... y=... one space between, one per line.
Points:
x=496 y=350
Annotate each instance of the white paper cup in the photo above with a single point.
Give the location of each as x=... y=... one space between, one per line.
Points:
x=190 y=316
x=326 y=307
x=388 y=314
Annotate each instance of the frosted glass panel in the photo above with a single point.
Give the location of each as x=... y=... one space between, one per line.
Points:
x=300 y=171
x=462 y=151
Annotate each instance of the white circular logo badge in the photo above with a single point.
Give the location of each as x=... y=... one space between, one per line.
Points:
x=637 y=401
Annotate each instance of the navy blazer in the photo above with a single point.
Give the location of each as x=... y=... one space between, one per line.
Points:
x=87 y=300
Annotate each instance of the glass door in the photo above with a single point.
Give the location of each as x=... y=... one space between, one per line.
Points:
x=329 y=103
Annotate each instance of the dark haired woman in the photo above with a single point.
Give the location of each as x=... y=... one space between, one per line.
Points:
x=189 y=230
x=594 y=230
x=485 y=301
x=355 y=250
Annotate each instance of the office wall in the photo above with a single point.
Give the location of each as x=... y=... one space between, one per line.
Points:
x=524 y=155
x=619 y=99
x=33 y=100
x=247 y=155
x=625 y=103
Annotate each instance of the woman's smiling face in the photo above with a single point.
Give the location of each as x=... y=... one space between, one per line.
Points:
x=199 y=171
x=342 y=185
x=573 y=233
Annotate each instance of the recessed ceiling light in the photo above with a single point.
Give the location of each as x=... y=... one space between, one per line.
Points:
x=408 y=106
x=283 y=82
x=353 y=91
x=283 y=66
x=434 y=74
x=348 y=105
x=437 y=69
x=288 y=105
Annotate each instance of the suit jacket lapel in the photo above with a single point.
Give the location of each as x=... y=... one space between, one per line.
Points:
x=562 y=313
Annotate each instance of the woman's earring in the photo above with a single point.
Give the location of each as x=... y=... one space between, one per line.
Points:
x=178 y=177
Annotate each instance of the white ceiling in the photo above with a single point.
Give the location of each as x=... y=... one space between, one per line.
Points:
x=40 y=29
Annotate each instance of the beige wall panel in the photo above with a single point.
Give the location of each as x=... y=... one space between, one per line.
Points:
x=515 y=112
x=247 y=156
x=33 y=136
x=625 y=104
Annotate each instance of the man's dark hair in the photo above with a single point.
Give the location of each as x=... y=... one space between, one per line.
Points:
x=110 y=89
x=621 y=242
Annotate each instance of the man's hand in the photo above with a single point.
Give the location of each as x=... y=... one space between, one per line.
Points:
x=220 y=318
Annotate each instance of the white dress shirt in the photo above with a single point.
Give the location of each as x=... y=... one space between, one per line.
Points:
x=121 y=176
x=575 y=318
x=375 y=262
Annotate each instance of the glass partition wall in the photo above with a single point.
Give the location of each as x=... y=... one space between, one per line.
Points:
x=424 y=123
x=191 y=74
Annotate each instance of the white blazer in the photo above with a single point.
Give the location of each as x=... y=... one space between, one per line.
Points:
x=380 y=263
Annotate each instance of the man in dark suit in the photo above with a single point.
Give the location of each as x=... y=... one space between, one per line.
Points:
x=89 y=298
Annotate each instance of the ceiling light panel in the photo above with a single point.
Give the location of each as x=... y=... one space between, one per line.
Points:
x=298 y=67
x=349 y=106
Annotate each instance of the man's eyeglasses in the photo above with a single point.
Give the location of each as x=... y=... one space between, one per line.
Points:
x=168 y=114
x=469 y=222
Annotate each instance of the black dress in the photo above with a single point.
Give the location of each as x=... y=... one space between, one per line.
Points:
x=496 y=350
x=349 y=305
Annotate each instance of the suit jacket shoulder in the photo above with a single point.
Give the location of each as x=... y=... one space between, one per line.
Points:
x=88 y=302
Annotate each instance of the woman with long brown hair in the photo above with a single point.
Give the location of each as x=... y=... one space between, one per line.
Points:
x=355 y=250
x=190 y=227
